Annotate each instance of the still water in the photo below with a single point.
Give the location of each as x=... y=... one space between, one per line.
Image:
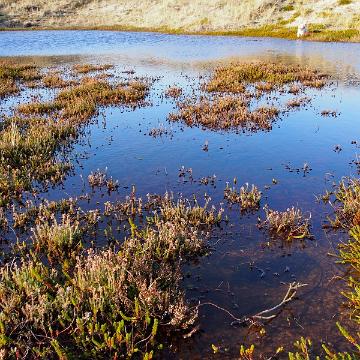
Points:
x=243 y=274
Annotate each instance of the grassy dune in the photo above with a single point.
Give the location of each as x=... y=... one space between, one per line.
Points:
x=329 y=19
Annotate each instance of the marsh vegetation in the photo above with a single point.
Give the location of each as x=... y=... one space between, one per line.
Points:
x=113 y=267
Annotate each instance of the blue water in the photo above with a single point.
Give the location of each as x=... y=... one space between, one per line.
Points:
x=124 y=147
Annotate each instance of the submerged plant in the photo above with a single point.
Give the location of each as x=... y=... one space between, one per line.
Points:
x=287 y=225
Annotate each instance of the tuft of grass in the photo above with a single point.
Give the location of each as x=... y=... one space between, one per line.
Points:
x=234 y=77
x=60 y=241
x=88 y=68
x=27 y=153
x=248 y=197
x=298 y=102
x=287 y=225
x=12 y=74
x=54 y=80
x=26 y=72
x=8 y=87
x=100 y=179
x=173 y=92
x=225 y=113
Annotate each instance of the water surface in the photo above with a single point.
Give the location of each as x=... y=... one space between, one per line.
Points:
x=243 y=274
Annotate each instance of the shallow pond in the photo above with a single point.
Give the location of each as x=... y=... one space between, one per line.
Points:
x=243 y=274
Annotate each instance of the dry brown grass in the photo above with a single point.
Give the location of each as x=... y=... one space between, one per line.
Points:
x=248 y=17
x=54 y=80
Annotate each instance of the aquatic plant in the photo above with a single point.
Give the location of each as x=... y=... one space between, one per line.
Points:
x=109 y=303
x=295 y=103
x=12 y=75
x=173 y=92
x=87 y=68
x=287 y=225
x=31 y=143
x=248 y=197
x=8 y=87
x=100 y=179
x=54 y=80
x=160 y=131
x=27 y=153
x=346 y=204
x=60 y=241
x=332 y=113
x=81 y=101
x=235 y=77
x=14 y=71
x=225 y=113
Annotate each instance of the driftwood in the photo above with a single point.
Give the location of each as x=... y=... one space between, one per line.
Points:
x=266 y=314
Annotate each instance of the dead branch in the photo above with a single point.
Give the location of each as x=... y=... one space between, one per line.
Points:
x=264 y=314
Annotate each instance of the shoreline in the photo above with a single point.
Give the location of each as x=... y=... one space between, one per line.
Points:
x=270 y=31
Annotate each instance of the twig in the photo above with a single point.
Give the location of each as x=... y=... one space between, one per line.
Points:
x=290 y=294
x=265 y=314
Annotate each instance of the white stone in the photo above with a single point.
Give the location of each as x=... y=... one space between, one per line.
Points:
x=302 y=30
